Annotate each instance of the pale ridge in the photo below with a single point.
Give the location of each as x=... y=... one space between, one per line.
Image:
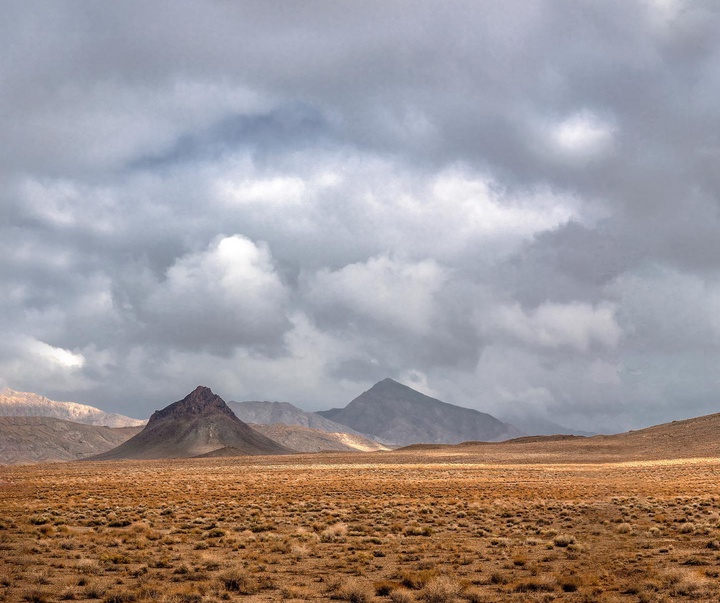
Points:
x=28 y=404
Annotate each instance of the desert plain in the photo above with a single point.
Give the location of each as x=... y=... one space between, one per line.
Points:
x=433 y=524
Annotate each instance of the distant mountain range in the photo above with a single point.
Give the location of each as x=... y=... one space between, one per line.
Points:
x=271 y=413
x=387 y=415
x=199 y=424
x=26 y=404
x=202 y=425
x=397 y=414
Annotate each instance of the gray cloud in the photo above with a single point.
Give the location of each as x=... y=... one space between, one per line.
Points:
x=506 y=204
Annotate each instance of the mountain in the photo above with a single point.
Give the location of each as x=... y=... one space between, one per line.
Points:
x=271 y=413
x=307 y=439
x=198 y=424
x=398 y=414
x=47 y=440
x=27 y=404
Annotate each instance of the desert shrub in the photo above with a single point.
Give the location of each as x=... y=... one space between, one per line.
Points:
x=569 y=584
x=402 y=595
x=384 y=588
x=535 y=584
x=67 y=595
x=441 y=589
x=498 y=578
x=120 y=598
x=563 y=540
x=296 y=592
x=473 y=595
x=685 y=583
x=417 y=580
x=418 y=531
x=334 y=533
x=94 y=591
x=355 y=590
x=39 y=520
x=236 y=580
x=687 y=528
x=624 y=528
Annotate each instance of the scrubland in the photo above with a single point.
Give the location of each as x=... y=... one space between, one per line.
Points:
x=391 y=527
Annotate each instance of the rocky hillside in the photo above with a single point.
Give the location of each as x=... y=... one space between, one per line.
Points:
x=46 y=439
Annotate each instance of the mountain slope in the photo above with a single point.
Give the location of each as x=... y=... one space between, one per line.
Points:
x=198 y=424
x=271 y=413
x=398 y=414
x=48 y=440
x=690 y=438
x=27 y=404
x=307 y=439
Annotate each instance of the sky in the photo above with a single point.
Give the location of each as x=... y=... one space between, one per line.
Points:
x=511 y=206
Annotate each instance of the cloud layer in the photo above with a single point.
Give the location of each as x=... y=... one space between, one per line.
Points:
x=507 y=205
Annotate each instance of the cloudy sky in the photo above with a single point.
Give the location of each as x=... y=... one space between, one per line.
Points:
x=512 y=206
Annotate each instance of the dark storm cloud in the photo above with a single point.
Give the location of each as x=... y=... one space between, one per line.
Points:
x=500 y=203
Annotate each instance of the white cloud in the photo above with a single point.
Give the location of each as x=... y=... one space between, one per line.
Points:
x=226 y=295
x=382 y=289
x=479 y=207
x=552 y=325
x=583 y=135
x=280 y=189
x=59 y=357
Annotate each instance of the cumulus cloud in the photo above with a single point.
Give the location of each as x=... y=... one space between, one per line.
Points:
x=389 y=292
x=575 y=325
x=227 y=295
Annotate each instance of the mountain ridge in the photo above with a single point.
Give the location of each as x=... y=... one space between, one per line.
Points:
x=271 y=413
x=28 y=404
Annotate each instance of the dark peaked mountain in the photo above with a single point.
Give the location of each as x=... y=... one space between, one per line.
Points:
x=398 y=414
x=198 y=424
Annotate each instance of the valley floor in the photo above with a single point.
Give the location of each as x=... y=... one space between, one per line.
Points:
x=398 y=527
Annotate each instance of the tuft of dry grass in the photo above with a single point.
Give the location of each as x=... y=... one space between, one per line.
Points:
x=355 y=590
x=441 y=589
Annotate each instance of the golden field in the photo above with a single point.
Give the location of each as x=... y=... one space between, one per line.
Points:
x=429 y=525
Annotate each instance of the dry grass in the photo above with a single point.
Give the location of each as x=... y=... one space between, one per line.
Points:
x=400 y=528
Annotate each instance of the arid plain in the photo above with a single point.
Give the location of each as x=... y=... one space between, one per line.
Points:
x=531 y=521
